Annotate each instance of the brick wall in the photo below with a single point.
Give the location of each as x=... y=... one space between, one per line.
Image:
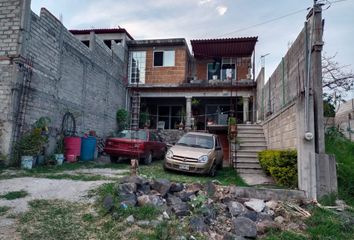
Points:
x=167 y=75
x=280 y=130
x=201 y=69
x=66 y=76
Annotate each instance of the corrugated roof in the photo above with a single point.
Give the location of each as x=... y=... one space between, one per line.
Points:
x=225 y=47
x=101 y=31
x=157 y=42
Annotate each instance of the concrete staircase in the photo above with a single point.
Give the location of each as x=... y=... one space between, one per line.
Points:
x=252 y=141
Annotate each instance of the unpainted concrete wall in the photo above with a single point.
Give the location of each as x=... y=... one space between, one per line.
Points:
x=66 y=76
x=280 y=129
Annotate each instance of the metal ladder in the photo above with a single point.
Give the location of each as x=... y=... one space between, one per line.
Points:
x=135 y=110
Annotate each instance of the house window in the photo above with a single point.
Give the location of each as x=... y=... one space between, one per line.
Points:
x=137 y=62
x=214 y=70
x=228 y=69
x=164 y=58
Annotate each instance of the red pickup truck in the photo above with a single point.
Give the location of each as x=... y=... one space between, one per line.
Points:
x=142 y=144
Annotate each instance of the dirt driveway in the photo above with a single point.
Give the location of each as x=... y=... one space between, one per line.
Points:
x=49 y=189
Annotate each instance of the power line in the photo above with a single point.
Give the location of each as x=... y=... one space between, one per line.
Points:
x=327 y=2
x=265 y=22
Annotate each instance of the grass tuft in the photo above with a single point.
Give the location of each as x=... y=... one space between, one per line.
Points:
x=14 y=195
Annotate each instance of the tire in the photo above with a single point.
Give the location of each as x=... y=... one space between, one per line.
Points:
x=220 y=164
x=114 y=159
x=212 y=171
x=163 y=155
x=148 y=159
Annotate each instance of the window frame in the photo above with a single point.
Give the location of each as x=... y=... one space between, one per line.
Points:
x=130 y=64
x=163 y=57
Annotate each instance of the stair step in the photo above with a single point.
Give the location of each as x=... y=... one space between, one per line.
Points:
x=249 y=171
x=252 y=147
x=256 y=144
x=247 y=159
x=248 y=166
x=250 y=135
x=247 y=155
x=247 y=126
x=250 y=131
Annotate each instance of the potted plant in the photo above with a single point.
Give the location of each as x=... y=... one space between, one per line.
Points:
x=145 y=119
x=122 y=118
x=29 y=146
x=42 y=125
x=232 y=125
x=59 y=150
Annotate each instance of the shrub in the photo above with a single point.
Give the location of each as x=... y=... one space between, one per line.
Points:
x=281 y=165
x=122 y=118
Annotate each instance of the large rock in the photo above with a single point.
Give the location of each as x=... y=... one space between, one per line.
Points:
x=245 y=227
x=255 y=204
x=184 y=196
x=272 y=204
x=265 y=226
x=236 y=208
x=210 y=189
x=128 y=199
x=252 y=215
x=179 y=207
x=138 y=180
x=262 y=216
x=125 y=188
x=194 y=187
x=197 y=224
x=161 y=185
x=108 y=203
x=150 y=200
x=176 y=187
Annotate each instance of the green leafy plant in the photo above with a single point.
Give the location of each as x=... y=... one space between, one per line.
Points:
x=281 y=165
x=60 y=145
x=195 y=102
x=42 y=123
x=31 y=143
x=122 y=118
x=144 y=118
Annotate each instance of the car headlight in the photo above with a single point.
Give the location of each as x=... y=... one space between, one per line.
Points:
x=203 y=159
x=169 y=154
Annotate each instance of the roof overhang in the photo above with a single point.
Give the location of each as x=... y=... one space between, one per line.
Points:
x=157 y=42
x=227 y=47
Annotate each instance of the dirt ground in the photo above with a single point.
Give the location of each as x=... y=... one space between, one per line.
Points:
x=43 y=188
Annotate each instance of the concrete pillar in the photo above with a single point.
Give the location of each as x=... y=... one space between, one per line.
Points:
x=188 y=113
x=245 y=109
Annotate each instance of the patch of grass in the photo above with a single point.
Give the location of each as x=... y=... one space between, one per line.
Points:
x=343 y=149
x=140 y=213
x=76 y=177
x=286 y=235
x=53 y=220
x=226 y=176
x=14 y=195
x=3 y=210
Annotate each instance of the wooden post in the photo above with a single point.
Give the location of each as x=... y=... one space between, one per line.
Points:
x=134 y=167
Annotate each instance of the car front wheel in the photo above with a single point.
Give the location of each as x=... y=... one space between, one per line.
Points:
x=114 y=159
x=212 y=171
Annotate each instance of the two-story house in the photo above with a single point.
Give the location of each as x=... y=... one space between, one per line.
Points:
x=197 y=91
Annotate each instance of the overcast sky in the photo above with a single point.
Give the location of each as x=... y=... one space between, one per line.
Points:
x=195 y=19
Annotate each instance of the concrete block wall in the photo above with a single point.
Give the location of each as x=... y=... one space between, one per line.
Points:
x=280 y=130
x=66 y=75
x=11 y=23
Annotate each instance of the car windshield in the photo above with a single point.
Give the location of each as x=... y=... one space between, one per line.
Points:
x=197 y=141
x=130 y=134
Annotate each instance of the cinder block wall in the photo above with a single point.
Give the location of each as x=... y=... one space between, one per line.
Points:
x=11 y=23
x=280 y=130
x=277 y=97
x=66 y=75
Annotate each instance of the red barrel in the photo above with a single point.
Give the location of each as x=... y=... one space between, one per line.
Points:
x=72 y=147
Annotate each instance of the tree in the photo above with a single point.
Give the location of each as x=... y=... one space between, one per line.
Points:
x=337 y=80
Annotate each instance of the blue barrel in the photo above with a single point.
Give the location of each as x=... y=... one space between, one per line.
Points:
x=88 y=147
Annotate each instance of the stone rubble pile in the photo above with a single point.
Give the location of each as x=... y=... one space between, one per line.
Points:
x=210 y=209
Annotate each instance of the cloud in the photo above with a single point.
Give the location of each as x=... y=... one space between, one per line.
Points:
x=202 y=2
x=221 y=10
